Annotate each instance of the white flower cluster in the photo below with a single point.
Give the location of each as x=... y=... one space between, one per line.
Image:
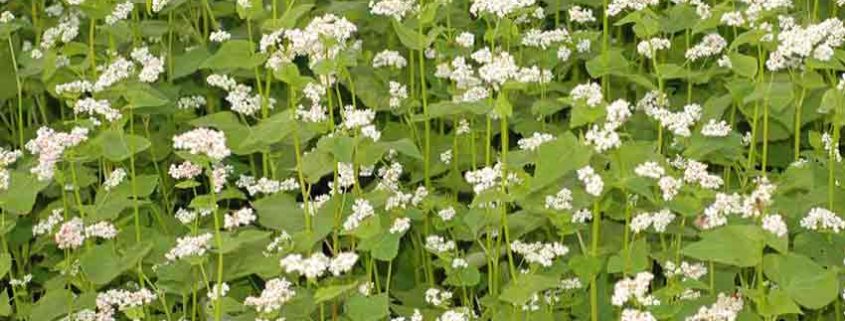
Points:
x=65 y=32
x=538 y=252
x=650 y=169
x=716 y=129
x=361 y=210
x=447 y=214
x=49 y=145
x=276 y=293
x=398 y=92
x=73 y=233
x=7 y=157
x=209 y=142
x=323 y=38
x=465 y=39
x=317 y=264
x=582 y=216
x=241 y=217
x=752 y=205
x=191 y=102
x=659 y=220
x=316 y=112
x=120 y=12
x=494 y=70
x=389 y=58
x=438 y=297
x=822 y=219
x=439 y=244
x=695 y=172
x=774 y=223
x=188 y=246
x=396 y=9
x=220 y=36
x=7 y=17
x=499 y=8
x=604 y=137
x=649 y=47
x=459 y=314
x=75 y=87
x=593 y=183
x=831 y=147
x=617 y=6
x=118 y=70
x=400 y=225
x=796 y=43
x=484 y=178
x=265 y=185
x=361 y=119
x=725 y=308
x=185 y=170
x=678 y=123
x=533 y=142
x=634 y=290
x=401 y=200
x=94 y=107
x=711 y=45
x=114 y=178
x=688 y=271
x=123 y=300
x=589 y=92
x=218 y=291
x=187 y=217
x=561 y=201
x=239 y=96
x=629 y=314
x=545 y=38
x=158 y=5
x=152 y=66
x=581 y=15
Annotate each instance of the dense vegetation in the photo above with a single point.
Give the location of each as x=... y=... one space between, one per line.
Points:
x=449 y=160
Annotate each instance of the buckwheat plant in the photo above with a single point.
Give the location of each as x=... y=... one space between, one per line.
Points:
x=422 y=160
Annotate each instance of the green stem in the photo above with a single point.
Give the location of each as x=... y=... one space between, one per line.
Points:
x=594 y=252
x=19 y=92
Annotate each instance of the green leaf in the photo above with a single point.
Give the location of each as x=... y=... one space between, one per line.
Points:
x=52 y=305
x=383 y=246
x=288 y=19
x=330 y=292
x=833 y=102
x=737 y=245
x=409 y=37
x=22 y=192
x=142 y=95
x=557 y=158
x=280 y=212
x=102 y=265
x=234 y=241
x=5 y=306
x=632 y=261
x=777 y=302
x=806 y=282
x=612 y=62
x=189 y=62
x=745 y=66
x=520 y=290
x=367 y=308
x=233 y=54
x=5 y=264
x=117 y=146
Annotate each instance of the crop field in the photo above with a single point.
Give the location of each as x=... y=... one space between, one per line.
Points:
x=422 y=160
